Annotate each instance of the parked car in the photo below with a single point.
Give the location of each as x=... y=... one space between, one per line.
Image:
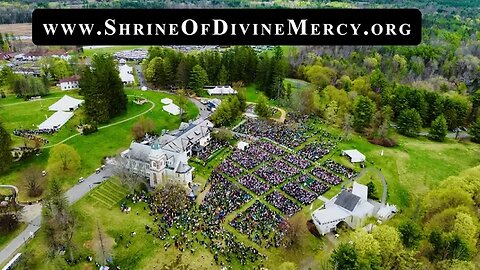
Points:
x=81 y=179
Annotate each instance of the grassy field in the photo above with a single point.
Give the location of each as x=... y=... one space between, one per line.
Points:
x=17 y=29
x=106 y=142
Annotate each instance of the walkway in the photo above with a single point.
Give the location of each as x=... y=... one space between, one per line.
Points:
x=106 y=126
x=73 y=194
x=382 y=179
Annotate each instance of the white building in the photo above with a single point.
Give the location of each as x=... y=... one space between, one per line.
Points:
x=167 y=157
x=69 y=83
x=351 y=207
x=220 y=90
x=126 y=74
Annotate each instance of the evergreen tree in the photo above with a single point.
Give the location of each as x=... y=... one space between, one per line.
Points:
x=409 y=123
x=198 y=79
x=103 y=90
x=439 y=129
x=261 y=108
x=474 y=131
x=363 y=112
x=5 y=151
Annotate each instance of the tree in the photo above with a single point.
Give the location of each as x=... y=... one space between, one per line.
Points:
x=331 y=114
x=58 y=220
x=223 y=134
x=347 y=125
x=125 y=171
x=288 y=266
x=410 y=233
x=172 y=196
x=294 y=230
x=439 y=129
x=32 y=179
x=182 y=102
x=372 y=191
x=5 y=151
x=142 y=127
x=103 y=90
x=367 y=248
x=63 y=161
x=363 y=112
x=389 y=240
x=198 y=79
x=409 y=123
x=344 y=257
x=262 y=109
x=474 y=131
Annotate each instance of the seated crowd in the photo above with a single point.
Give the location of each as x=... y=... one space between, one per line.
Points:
x=314 y=151
x=326 y=176
x=300 y=194
x=340 y=169
x=260 y=224
x=314 y=185
x=211 y=148
x=270 y=175
x=229 y=168
x=297 y=161
x=282 y=203
x=254 y=184
x=271 y=148
x=246 y=160
x=258 y=153
x=284 y=168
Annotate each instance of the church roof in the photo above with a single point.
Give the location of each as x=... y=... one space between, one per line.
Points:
x=347 y=200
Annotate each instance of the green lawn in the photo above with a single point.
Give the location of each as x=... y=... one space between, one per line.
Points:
x=106 y=142
x=6 y=238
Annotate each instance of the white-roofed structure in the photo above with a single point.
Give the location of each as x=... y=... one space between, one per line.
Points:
x=351 y=207
x=56 y=121
x=126 y=74
x=221 y=90
x=386 y=212
x=172 y=109
x=354 y=155
x=242 y=145
x=66 y=104
x=166 y=101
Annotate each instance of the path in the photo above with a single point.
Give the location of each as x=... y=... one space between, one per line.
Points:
x=106 y=126
x=382 y=179
x=283 y=113
x=451 y=135
x=28 y=101
x=73 y=194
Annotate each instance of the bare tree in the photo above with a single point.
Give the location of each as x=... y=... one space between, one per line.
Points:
x=128 y=174
x=294 y=229
x=33 y=181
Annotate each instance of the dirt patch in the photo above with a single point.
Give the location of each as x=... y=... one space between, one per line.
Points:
x=18 y=29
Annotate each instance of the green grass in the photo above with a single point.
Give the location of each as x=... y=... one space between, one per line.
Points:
x=6 y=238
x=106 y=142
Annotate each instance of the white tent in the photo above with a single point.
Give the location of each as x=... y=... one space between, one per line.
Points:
x=354 y=155
x=172 y=109
x=66 y=104
x=125 y=72
x=221 y=90
x=166 y=101
x=242 y=145
x=57 y=120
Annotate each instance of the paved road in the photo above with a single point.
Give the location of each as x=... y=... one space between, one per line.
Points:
x=141 y=78
x=204 y=113
x=73 y=194
x=382 y=179
x=452 y=135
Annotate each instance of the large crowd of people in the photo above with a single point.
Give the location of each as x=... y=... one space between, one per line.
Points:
x=290 y=135
x=212 y=147
x=229 y=168
x=271 y=148
x=284 y=168
x=314 y=185
x=260 y=224
x=246 y=160
x=326 y=176
x=282 y=203
x=257 y=152
x=254 y=184
x=300 y=194
x=340 y=169
x=314 y=151
x=270 y=175
x=297 y=161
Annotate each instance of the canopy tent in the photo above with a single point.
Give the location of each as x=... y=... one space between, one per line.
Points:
x=172 y=109
x=221 y=90
x=354 y=155
x=166 y=101
x=66 y=104
x=242 y=145
x=56 y=121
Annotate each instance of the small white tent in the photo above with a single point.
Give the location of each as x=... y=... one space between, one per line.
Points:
x=221 y=90
x=172 y=109
x=56 y=121
x=166 y=101
x=66 y=104
x=354 y=155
